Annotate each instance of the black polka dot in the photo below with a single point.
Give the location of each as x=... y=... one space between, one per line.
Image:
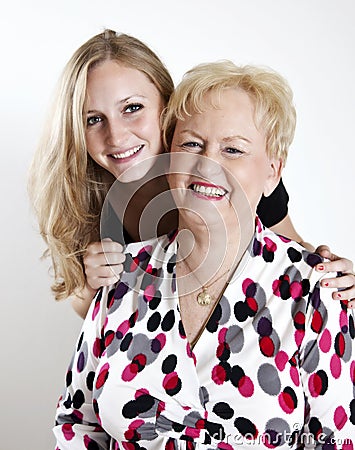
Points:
x=90 y=380
x=169 y=364
x=168 y=321
x=294 y=255
x=78 y=399
x=223 y=410
x=126 y=342
x=154 y=321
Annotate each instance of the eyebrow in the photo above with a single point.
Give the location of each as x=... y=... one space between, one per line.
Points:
x=121 y=102
x=237 y=136
x=225 y=139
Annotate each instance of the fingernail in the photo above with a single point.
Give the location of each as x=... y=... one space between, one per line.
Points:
x=339 y=295
x=320 y=267
x=326 y=284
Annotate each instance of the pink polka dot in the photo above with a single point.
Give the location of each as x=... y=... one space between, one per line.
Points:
x=246 y=387
x=96 y=348
x=299 y=335
x=335 y=366
x=219 y=375
x=343 y=320
x=281 y=359
x=325 y=341
x=136 y=424
x=275 y=287
x=141 y=391
x=348 y=445
x=286 y=402
x=149 y=292
x=222 y=335
x=352 y=372
x=224 y=446
x=296 y=289
x=129 y=372
x=123 y=328
x=314 y=385
x=95 y=310
x=270 y=245
x=68 y=432
x=294 y=376
x=192 y=432
x=246 y=283
x=340 y=417
x=162 y=339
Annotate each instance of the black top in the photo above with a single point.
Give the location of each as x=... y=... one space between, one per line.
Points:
x=271 y=210
x=274 y=208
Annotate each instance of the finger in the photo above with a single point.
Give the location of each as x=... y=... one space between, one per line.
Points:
x=99 y=282
x=346 y=294
x=104 y=246
x=115 y=258
x=93 y=248
x=339 y=265
x=94 y=260
x=351 y=304
x=343 y=282
x=324 y=251
x=111 y=247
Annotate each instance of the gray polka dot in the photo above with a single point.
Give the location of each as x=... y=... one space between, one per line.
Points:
x=268 y=379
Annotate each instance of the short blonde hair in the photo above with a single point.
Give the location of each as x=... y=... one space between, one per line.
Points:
x=66 y=186
x=273 y=97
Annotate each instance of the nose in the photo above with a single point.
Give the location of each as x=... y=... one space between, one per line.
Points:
x=116 y=133
x=207 y=164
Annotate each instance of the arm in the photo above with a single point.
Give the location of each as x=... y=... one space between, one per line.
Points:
x=326 y=364
x=285 y=228
x=345 y=283
x=77 y=426
x=103 y=264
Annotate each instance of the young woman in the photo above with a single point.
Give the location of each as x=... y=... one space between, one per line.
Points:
x=106 y=119
x=242 y=349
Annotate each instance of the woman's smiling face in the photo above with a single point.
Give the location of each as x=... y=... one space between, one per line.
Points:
x=219 y=158
x=122 y=111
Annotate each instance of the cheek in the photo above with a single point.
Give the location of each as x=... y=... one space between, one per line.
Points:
x=148 y=127
x=92 y=143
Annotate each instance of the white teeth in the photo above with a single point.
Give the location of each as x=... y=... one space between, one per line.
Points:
x=208 y=191
x=126 y=154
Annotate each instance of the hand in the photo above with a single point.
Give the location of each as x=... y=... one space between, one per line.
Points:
x=103 y=263
x=346 y=281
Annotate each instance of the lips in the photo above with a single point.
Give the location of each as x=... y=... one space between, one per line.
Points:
x=208 y=190
x=127 y=153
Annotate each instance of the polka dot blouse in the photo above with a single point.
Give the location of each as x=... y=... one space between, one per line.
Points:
x=274 y=367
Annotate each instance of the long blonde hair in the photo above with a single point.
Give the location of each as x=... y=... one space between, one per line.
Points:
x=66 y=187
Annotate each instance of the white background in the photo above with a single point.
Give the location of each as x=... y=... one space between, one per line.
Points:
x=311 y=42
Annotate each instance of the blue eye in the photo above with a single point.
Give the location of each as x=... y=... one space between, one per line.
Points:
x=192 y=145
x=93 y=120
x=233 y=151
x=133 y=107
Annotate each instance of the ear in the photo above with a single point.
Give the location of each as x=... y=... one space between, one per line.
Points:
x=274 y=175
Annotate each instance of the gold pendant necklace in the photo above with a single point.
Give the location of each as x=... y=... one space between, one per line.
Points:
x=203 y=297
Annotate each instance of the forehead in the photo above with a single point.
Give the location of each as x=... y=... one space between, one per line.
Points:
x=229 y=107
x=109 y=74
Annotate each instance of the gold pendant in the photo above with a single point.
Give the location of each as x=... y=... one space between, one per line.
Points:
x=204 y=298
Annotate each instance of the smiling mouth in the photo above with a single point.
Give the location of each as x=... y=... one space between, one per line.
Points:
x=208 y=190
x=127 y=153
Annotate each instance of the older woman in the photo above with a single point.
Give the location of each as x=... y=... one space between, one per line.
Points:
x=220 y=333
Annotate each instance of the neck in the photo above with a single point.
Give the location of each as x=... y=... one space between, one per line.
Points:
x=210 y=251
